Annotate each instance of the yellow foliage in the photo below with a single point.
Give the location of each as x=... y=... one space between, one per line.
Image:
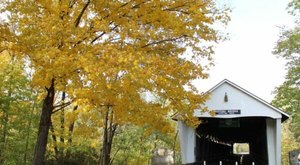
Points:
x=112 y=53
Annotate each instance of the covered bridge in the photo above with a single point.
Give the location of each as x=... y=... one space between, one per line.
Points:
x=241 y=120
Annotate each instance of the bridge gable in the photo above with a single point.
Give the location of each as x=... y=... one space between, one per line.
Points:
x=229 y=100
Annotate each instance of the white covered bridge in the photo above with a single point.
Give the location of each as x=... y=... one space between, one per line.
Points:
x=241 y=119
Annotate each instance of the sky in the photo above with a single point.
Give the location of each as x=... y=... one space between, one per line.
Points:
x=246 y=58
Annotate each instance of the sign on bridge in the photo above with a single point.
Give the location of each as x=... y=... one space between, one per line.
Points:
x=228 y=112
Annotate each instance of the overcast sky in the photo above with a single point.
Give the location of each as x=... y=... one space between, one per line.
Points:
x=247 y=59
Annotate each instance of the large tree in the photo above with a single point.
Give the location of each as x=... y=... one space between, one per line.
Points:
x=111 y=53
x=288 y=46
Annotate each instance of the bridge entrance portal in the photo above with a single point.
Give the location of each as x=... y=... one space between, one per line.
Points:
x=216 y=139
x=245 y=130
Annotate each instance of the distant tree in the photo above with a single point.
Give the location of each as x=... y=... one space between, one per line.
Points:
x=136 y=145
x=288 y=94
x=288 y=142
x=288 y=47
x=18 y=112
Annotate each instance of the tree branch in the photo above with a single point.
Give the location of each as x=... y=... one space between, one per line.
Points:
x=80 y=41
x=2 y=50
x=100 y=35
x=113 y=157
x=72 y=3
x=96 y=38
x=165 y=40
x=77 y=21
x=61 y=106
x=55 y=140
x=179 y=10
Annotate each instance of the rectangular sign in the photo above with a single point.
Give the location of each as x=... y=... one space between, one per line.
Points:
x=228 y=112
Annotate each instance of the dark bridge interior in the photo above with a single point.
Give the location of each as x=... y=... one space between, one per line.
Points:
x=215 y=139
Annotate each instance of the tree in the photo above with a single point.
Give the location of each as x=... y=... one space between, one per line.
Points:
x=288 y=94
x=135 y=145
x=288 y=142
x=111 y=52
x=18 y=115
x=78 y=143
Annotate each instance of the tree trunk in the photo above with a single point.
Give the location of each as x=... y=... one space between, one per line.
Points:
x=56 y=151
x=62 y=130
x=108 y=135
x=27 y=142
x=62 y=120
x=28 y=131
x=71 y=128
x=104 y=154
x=70 y=134
x=45 y=122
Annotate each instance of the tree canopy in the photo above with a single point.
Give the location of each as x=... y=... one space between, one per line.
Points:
x=288 y=47
x=116 y=54
x=18 y=112
x=112 y=51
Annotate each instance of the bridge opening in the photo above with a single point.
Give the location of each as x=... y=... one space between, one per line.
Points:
x=217 y=139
